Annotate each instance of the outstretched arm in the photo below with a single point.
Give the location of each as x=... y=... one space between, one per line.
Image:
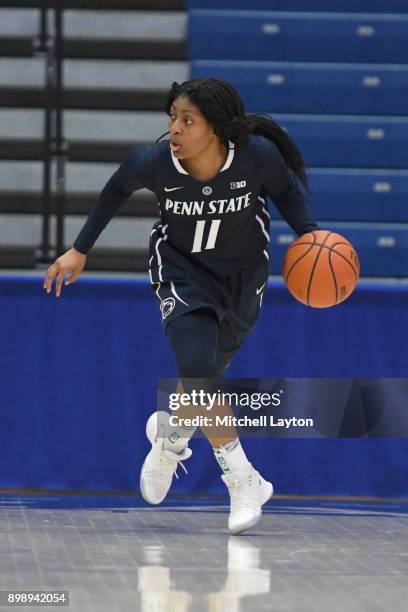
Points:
x=135 y=172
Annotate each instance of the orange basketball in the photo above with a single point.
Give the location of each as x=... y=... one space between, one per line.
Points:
x=321 y=269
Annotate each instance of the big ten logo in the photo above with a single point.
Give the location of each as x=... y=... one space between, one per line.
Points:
x=238 y=185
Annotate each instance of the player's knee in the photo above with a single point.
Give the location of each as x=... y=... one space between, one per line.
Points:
x=193 y=338
x=198 y=372
x=198 y=385
x=195 y=363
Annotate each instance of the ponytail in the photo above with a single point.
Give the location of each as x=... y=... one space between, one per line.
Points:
x=267 y=127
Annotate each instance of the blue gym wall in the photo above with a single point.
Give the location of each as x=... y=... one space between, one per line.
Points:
x=79 y=380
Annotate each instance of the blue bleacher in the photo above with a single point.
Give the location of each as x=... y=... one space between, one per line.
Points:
x=337 y=81
x=292 y=37
x=313 y=88
x=349 y=141
x=349 y=194
x=382 y=248
x=335 y=6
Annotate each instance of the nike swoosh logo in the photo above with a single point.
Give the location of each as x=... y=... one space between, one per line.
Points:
x=258 y=291
x=172 y=188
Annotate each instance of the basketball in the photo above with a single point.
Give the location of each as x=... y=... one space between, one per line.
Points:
x=321 y=269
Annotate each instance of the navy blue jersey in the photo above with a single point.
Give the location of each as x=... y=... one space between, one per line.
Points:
x=220 y=224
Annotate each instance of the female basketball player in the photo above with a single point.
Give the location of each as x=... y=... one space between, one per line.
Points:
x=208 y=258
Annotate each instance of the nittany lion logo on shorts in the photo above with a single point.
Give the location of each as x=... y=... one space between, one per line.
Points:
x=167 y=306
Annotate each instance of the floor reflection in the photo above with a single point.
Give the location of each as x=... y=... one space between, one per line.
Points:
x=244 y=577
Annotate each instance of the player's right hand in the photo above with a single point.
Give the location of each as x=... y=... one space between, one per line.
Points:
x=72 y=262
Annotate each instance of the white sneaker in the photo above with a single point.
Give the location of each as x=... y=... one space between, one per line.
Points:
x=248 y=492
x=160 y=464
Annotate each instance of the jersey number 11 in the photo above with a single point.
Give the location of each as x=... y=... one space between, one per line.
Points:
x=199 y=234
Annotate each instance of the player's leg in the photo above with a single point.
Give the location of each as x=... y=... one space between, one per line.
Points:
x=193 y=338
x=243 y=481
x=177 y=298
x=234 y=330
x=248 y=490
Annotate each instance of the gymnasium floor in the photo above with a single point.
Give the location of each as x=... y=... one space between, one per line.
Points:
x=113 y=553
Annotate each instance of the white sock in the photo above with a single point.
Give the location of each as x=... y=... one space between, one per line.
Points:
x=231 y=457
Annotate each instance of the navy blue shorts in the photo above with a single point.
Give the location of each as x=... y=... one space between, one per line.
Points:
x=235 y=300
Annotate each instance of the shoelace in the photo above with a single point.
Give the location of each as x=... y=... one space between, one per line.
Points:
x=172 y=461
